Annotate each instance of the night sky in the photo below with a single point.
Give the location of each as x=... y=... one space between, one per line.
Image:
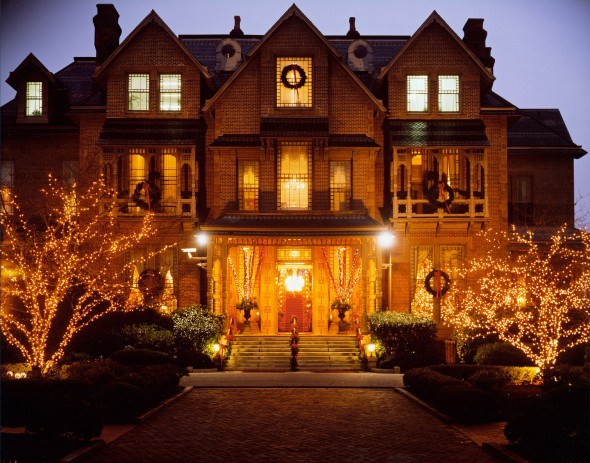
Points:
x=541 y=46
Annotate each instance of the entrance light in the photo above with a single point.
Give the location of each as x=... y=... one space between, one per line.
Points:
x=202 y=239
x=294 y=283
x=386 y=239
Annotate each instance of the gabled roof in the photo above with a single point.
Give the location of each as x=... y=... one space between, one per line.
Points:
x=435 y=18
x=542 y=129
x=30 y=61
x=294 y=11
x=152 y=17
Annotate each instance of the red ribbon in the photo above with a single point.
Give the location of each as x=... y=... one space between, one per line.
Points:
x=437 y=277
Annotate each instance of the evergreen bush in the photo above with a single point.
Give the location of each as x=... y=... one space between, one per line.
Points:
x=196 y=329
x=501 y=353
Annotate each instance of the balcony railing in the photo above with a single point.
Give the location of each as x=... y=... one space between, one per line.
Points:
x=422 y=208
x=128 y=207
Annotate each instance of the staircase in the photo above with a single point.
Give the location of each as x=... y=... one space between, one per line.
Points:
x=272 y=353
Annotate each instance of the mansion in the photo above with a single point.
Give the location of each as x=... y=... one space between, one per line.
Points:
x=292 y=168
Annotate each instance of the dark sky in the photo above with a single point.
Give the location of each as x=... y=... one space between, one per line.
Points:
x=542 y=47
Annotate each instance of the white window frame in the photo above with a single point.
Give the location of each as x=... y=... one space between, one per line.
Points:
x=34 y=99
x=170 y=92
x=138 y=92
x=417 y=93
x=448 y=94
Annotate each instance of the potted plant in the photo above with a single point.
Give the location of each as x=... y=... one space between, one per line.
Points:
x=247 y=305
x=342 y=306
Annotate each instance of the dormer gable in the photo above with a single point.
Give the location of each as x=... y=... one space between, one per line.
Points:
x=33 y=83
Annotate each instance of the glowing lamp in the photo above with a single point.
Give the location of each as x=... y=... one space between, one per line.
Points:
x=371 y=349
x=386 y=239
x=216 y=347
x=202 y=239
x=294 y=283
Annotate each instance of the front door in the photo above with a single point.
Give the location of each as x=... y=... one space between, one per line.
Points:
x=294 y=305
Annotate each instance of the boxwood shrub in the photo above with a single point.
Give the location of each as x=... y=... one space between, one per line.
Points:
x=501 y=353
x=141 y=357
x=408 y=338
x=458 y=399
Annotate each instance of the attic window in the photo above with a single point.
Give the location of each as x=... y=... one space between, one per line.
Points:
x=360 y=52
x=294 y=80
x=228 y=50
x=34 y=99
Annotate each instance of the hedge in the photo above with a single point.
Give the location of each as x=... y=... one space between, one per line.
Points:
x=501 y=353
x=141 y=357
x=456 y=398
x=513 y=375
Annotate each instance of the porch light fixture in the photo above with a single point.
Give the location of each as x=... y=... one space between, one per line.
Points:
x=386 y=239
x=294 y=283
x=202 y=239
x=216 y=347
x=371 y=349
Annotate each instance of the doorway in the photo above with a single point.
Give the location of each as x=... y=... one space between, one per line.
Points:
x=294 y=302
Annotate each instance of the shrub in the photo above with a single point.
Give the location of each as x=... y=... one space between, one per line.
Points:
x=409 y=339
x=148 y=336
x=98 y=372
x=8 y=370
x=573 y=356
x=500 y=353
x=555 y=427
x=195 y=330
x=197 y=360
x=514 y=375
x=456 y=398
x=386 y=362
x=141 y=357
x=122 y=401
x=491 y=380
x=468 y=340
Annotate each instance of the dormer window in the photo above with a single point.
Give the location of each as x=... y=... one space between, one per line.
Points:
x=139 y=92
x=294 y=78
x=170 y=92
x=34 y=99
x=448 y=94
x=417 y=94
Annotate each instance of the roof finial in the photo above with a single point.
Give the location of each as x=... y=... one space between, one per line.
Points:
x=352 y=32
x=236 y=31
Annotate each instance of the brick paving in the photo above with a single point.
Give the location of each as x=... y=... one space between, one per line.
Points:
x=293 y=424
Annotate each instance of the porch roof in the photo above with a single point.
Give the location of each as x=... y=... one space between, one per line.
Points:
x=294 y=224
x=447 y=132
x=117 y=131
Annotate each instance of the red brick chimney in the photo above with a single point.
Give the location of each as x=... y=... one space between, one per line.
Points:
x=106 y=31
x=236 y=32
x=352 y=32
x=475 y=38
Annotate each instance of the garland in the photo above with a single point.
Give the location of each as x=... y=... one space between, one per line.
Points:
x=294 y=68
x=146 y=195
x=437 y=290
x=151 y=282
x=441 y=196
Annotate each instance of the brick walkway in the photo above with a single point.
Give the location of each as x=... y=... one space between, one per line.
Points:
x=299 y=425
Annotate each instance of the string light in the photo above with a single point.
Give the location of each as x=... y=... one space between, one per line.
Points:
x=344 y=287
x=69 y=268
x=535 y=298
x=251 y=272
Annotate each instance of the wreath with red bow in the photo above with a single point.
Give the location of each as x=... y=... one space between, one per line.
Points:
x=441 y=196
x=147 y=195
x=295 y=69
x=437 y=283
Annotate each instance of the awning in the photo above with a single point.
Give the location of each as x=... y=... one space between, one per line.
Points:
x=448 y=132
x=294 y=224
x=149 y=131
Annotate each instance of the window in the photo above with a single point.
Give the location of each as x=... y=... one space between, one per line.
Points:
x=139 y=92
x=294 y=176
x=340 y=185
x=170 y=92
x=34 y=99
x=417 y=93
x=524 y=189
x=422 y=265
x=6 y=185
x=294 y=82
x=448 y=94
x=248 y=175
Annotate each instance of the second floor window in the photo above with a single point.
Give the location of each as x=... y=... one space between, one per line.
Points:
x=294 y=176
x=139 y=92
x=34 y=99
x=170 y=92
x=339 y=185
x=448 y=94
x=294 y=82
x=417 y=92
x=248 y=185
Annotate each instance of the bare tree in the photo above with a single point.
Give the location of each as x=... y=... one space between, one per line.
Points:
x=63 y=269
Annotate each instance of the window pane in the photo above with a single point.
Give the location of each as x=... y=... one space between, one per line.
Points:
x=169 y=177
x=34 y=99
x=294 y=176
x=340 y=185
x=448 y=93
x=417 y=93
x=170 y=94
x=294 y=82
x=248 y=185
x=139 y=88
x=422 y=265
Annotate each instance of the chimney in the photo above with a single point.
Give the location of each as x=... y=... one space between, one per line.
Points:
x=236 y=32
x=475 y=39
x=106 y=31
x=352 y=32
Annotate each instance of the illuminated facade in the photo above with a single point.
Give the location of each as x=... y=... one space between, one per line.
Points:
x=293 y=152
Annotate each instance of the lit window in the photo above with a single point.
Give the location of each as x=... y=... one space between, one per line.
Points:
x=170 y=92
x=418 y=93
x=294 y=176
x=6 y=185
x=34 y=99
x=339 y=185
x=248 y=185
x=448 y=94
x=139 y=92
x=294 y=78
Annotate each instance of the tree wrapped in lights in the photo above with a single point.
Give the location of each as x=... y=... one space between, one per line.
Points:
x=251 y=274
x=63 y=270
x=345 y=284
x=536 y=297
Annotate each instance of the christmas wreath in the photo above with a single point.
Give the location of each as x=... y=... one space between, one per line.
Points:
x=296 y=83
x=146 y=195
x=441 y=195
x=435 y=287
x=151 y=282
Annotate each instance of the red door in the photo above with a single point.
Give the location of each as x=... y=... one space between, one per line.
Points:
x=295 y=309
